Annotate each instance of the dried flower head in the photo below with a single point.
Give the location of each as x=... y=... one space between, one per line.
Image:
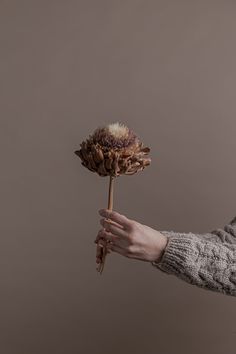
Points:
x=113 y=150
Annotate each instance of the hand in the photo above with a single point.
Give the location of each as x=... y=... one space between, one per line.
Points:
x=129 y=238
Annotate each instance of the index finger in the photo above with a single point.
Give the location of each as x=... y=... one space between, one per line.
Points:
x=117 y=217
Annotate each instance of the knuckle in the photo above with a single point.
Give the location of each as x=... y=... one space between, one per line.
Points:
x=105 y=224
x=132 y=225
x=106 y=234
x=112 y=215
x=129 y=249
x=103 y=234
x=131 y=239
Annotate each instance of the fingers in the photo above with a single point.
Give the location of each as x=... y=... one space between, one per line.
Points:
x=115 y=227
x=109 y=225
x=117 y=217
x=110 y=246
x=114 y=223
x=107 y=236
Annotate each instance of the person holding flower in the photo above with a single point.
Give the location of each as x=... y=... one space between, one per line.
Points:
x=207 y=260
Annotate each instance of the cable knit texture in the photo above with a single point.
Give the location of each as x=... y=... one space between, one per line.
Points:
x=206 y=260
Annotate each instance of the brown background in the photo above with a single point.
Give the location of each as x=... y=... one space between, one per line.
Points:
x=167 y=70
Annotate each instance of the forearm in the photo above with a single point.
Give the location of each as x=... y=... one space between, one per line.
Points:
x=206 y=260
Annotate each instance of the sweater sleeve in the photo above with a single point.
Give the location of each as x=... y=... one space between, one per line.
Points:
x=206 y=260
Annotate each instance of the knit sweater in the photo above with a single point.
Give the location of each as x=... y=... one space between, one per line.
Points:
x=207 y=260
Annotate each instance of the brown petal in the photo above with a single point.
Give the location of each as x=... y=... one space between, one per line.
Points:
x=125 y=154
x=115 y=165
x=108 y=159
x=101 y=169
x=91 y=161
x=147 y=162
x=94 y=153
x=90 y=167
x=83 y=145
x=85 y=154
x=131 y=172
x=135 y=164
x=108 y=163
x=98 y=155
x=145 y=149
x=79 y=153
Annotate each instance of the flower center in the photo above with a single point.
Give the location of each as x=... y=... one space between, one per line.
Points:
x=118 y=130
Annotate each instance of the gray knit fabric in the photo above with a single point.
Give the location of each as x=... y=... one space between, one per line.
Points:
x=206 y=260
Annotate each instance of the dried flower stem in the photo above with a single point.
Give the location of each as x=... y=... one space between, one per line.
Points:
x=110 y=207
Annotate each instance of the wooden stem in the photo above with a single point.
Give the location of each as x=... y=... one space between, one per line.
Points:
x=110 y=207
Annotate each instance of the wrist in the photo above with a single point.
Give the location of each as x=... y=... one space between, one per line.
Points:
x=162 y=244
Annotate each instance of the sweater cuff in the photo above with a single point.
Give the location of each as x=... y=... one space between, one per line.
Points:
x=177 y=253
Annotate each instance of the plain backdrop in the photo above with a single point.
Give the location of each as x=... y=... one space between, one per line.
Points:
x=166 y=69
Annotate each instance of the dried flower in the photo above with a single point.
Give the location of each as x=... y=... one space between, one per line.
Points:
x=113 y=150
